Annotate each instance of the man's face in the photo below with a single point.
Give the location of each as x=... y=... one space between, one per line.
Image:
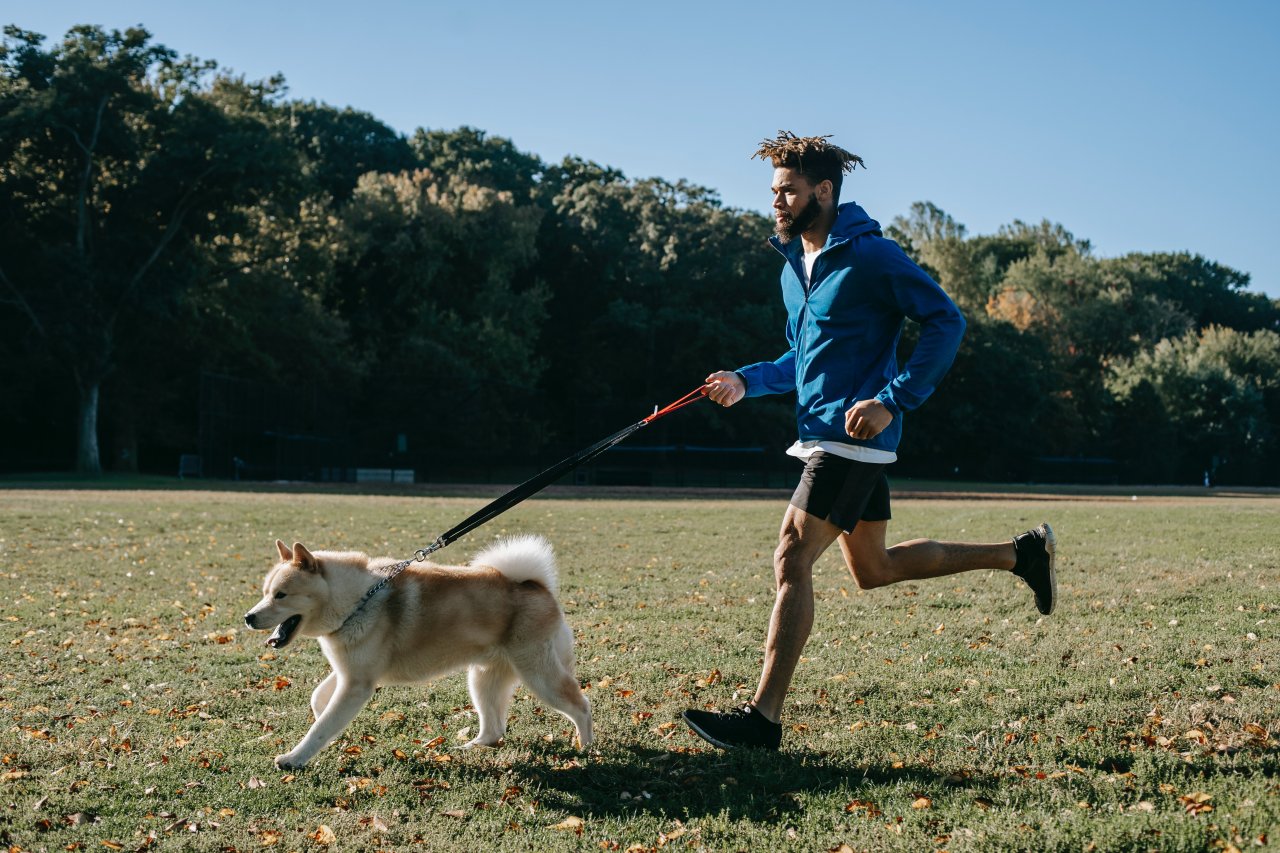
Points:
x=795 y=204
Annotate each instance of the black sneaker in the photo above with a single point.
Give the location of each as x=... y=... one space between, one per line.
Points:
x=740 y=727
x=1035 y=565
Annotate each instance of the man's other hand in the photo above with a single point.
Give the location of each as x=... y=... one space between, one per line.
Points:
x=867 y=419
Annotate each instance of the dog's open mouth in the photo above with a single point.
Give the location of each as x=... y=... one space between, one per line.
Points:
x=284 y=632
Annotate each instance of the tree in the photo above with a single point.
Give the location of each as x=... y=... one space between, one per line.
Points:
x=1209 y=293
x=483 y=160
x=999 y=407
x=340 y=145
x=115 y=157
x=654 y=284
x=1219 y=390
x=427 y=280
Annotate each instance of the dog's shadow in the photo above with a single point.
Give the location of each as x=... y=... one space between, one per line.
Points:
x=749 y=784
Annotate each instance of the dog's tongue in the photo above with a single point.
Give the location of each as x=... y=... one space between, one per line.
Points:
x=283 y=633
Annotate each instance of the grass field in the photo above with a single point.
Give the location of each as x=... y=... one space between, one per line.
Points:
x=139 y=713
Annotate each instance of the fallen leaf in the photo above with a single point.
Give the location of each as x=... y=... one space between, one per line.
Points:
x=1197 y=802
x=571 y=823
x=922 y=803
x=323 y=835
x=868 y=808
x=666 y=837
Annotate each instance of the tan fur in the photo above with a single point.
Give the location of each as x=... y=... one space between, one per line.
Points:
x=499 y=620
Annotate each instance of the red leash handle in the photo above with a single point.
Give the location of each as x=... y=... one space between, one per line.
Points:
x=688 y=399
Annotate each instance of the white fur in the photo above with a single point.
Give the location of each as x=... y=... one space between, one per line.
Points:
x=522 y=558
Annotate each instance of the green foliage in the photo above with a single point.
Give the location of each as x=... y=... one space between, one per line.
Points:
x=117 y=157
x=1102 y=321
x=990 y=418
x=205 y=224
x=427 y=280
x=340 y=145
x=477 y=157
x=1217 y=391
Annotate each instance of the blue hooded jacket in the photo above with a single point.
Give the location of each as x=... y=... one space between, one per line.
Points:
x=843 y=332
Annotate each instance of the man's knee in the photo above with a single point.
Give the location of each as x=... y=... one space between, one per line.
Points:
x=869 y=572
x=792 y=565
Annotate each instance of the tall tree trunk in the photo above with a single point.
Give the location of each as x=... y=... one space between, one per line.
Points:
x=88 y=460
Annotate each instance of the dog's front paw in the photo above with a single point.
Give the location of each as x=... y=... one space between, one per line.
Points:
x=289 y=761
x=476 y=742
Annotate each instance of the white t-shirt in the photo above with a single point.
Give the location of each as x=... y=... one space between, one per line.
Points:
x=805 y=449
x=809 y=258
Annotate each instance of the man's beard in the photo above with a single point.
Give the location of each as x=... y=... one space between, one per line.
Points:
x=790 y=227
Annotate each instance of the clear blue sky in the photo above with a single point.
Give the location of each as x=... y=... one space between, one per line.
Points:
x=1141 y=126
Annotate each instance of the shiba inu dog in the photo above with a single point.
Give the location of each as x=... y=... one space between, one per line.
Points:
x=497 y=616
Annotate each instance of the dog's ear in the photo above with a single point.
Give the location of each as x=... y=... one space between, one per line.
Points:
x=304 y=559
x=285 y=553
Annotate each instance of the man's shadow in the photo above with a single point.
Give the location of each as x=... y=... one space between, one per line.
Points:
x=755 y=785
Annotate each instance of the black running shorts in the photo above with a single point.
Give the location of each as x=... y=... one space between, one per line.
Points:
x=843 y=491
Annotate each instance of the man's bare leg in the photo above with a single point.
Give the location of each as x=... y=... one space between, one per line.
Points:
x=873 y=565
x=803 y=539
x=801 y=542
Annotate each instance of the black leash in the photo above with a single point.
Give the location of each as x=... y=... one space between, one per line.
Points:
x=529 y=487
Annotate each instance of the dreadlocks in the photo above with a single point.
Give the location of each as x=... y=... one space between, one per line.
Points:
x=813 y=156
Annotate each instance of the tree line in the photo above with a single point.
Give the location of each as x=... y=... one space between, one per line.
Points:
x=164 y=220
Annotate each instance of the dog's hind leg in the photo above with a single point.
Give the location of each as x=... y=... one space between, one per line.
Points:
x=491 y=685
x=548 y=673
x=323 y=693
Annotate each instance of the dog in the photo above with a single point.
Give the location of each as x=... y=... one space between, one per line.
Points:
x=498 y=617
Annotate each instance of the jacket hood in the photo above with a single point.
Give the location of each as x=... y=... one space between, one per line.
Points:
x=852 y=221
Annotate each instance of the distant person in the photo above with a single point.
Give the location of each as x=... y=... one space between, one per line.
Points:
x=847 y=290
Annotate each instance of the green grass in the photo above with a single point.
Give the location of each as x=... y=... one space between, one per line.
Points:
x=138 y=711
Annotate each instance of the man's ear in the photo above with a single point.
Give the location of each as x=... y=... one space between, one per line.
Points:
x=826 y=190
x=304 y=559
x=285 y=553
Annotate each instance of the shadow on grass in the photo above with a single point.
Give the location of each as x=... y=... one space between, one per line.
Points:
x=745 y=785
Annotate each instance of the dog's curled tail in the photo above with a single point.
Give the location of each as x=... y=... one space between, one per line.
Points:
x=522 y=558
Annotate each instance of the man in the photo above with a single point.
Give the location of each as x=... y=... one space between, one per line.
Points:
x=847 y=290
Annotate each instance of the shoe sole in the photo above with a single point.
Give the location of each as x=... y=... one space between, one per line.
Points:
x=708 y=738
x=1050 y=547
x=719 y=743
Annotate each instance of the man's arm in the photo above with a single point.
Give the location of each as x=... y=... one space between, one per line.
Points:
x=770 y=377
x=941 y=330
